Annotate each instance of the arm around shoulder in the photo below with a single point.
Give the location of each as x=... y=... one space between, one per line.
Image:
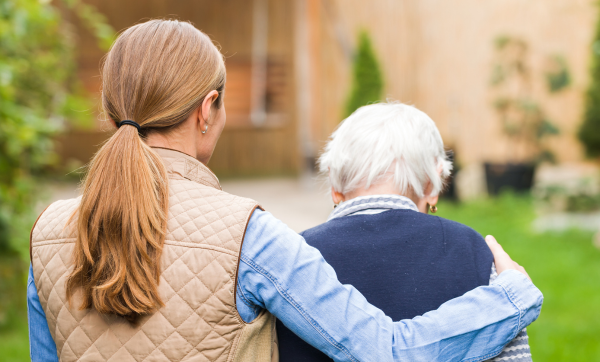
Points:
x=281 y=273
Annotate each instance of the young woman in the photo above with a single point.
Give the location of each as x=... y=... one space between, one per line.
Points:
x=386 y=165
x=155 y=263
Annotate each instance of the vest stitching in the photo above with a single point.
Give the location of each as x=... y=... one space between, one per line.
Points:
x=237 y=267
x=140 y=330
x=54 y=241
x=161 y=352
x=193 y=309
x=58 y=241
x=200 y=246
x=299 y=308
x=31 y=235
x=176 y=293
x=229 y=316
x=235 y=343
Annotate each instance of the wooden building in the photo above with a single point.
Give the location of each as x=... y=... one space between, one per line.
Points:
x=289 y=65
x=260 y=137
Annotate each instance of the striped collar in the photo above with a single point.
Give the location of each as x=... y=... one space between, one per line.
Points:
x=372 y=204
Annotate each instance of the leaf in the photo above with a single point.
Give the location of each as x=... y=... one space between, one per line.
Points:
x=559 y=78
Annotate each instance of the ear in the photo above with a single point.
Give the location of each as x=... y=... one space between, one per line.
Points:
x=433 y=200
x=205 y=108
x=424 y=202
x=337 y=197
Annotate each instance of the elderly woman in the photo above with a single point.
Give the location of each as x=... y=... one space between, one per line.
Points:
x=386 y=165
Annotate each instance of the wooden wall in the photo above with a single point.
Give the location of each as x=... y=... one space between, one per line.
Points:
x=243 y=149
x=438 y=56
x=455 y=56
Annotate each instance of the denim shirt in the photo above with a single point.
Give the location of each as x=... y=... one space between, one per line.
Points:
x=279 y=272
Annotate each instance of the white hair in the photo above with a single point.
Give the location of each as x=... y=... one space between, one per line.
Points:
x=385 y=140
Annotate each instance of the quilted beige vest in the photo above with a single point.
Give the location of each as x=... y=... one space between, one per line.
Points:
x=199 y=321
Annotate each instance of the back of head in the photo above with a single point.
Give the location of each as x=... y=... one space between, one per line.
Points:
x=156 y=74
x=382 y=141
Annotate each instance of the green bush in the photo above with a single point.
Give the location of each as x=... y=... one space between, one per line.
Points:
x=367 y=82
x=39 y=95
x=589 y=133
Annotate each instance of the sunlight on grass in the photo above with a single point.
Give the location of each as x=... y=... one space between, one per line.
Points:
x=565 y=266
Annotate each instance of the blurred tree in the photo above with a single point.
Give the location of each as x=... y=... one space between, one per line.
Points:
x=39 y=95
x=367 y=82
x=589 y=133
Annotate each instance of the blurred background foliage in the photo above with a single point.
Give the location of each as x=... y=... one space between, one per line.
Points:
x=589 y=133
x=367 y=79
x=40 y=96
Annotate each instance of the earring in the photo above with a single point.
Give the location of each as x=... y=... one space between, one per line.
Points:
x=335 y=205
x=205 y=129
x=433 y=209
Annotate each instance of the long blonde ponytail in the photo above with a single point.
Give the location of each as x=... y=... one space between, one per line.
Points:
x=155 y=74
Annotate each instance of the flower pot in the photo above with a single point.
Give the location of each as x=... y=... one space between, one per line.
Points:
x=514 y=176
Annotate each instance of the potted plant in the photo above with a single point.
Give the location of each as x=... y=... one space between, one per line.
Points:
x=524 y=123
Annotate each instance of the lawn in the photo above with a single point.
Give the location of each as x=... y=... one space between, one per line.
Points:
x=565 y=266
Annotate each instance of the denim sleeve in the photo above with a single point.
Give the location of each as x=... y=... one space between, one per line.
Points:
x=41 y=345
x=518 y=349
x=281 y=273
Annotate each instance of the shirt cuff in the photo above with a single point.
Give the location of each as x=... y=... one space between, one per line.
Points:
x=526 y=297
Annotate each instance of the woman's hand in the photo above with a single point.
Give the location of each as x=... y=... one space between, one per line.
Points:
x=501 y=258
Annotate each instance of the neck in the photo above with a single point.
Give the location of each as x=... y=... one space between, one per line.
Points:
x=182 y=138
x=380 y=189
x=387 y=188
x=156 y=139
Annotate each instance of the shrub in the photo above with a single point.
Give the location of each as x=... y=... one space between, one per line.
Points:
x=39 y=94
x=589 y=133
x=367 y=82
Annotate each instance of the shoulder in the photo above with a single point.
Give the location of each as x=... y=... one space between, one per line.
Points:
x=455 y=228
x=201 y=214
x=458 y=233
x=332 y=226
x=51 y=223
x=464 y=236
x=191 y=194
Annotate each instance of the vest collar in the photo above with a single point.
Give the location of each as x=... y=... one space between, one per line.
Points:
x=373 y=203
x=188 y=167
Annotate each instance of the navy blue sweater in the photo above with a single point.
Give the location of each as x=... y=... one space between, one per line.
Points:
x=404 y=262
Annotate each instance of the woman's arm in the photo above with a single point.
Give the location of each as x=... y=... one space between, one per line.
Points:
x=280 y=272
x=41 y=345
x=518 y=349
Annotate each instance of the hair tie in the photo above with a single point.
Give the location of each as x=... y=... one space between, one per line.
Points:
x=130 y=123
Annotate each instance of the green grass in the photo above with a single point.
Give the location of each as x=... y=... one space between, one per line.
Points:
x=564 y=266
x=14 y=341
